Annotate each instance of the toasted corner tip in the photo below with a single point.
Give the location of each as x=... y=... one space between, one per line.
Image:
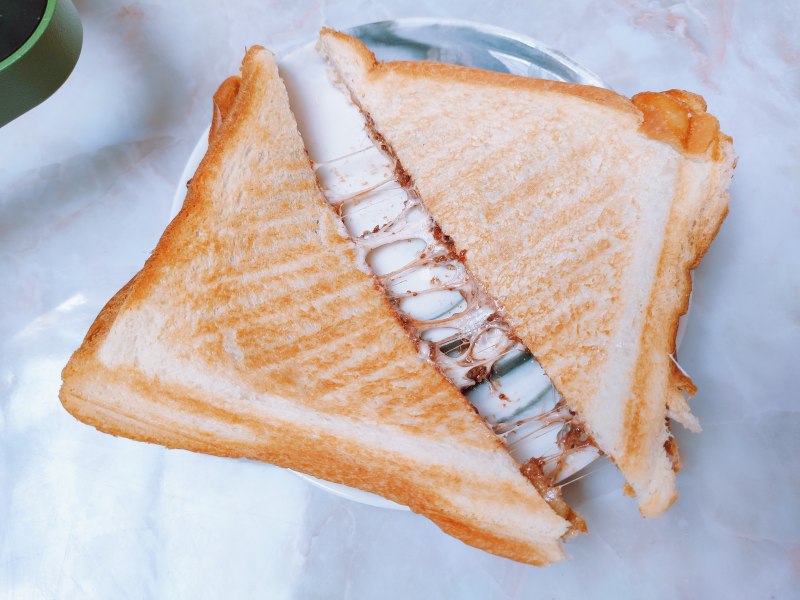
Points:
x=657 y=504
x=222 y=103
x=254 y=58
x=255 y=50
x=679 y=118
x=358 y=51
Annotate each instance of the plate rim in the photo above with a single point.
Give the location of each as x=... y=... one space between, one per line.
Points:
x=493 y=30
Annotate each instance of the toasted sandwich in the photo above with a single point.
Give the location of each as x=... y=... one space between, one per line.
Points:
x=254 y=331
x=580 y=212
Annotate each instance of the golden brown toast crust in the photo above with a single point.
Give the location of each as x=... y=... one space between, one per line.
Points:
x=254 y=309
x=452 y=73
x=223 y=102
x=676 y=117
x=679 y=118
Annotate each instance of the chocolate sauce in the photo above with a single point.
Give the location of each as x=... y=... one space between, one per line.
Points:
x=456 y=324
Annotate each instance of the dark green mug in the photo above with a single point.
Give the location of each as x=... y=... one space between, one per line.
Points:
x=40 y=41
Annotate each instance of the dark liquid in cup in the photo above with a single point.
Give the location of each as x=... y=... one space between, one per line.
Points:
x=18 y=20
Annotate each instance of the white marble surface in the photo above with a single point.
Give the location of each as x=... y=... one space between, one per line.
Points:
x=87 y=180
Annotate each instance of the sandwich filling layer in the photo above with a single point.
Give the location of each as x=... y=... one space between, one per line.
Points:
x=455 y=324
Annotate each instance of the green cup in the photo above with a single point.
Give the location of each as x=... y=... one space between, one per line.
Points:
x=40 y=41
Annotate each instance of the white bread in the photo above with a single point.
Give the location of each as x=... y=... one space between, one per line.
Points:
x=581 y=212
x=251 y=332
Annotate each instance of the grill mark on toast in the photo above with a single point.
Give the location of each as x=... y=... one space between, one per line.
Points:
x=301 y=344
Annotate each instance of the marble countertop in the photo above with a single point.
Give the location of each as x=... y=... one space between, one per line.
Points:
x=87 y=181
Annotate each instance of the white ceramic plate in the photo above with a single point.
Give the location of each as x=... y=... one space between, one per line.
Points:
x=332 y=127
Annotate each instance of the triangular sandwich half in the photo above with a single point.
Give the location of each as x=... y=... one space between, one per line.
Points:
x=252 y=332
x=581 y=212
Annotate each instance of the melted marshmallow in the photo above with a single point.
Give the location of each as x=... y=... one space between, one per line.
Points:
x=456 y=324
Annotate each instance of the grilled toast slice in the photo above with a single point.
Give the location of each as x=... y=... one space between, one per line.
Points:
x=252 y=332
x=581 y=212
